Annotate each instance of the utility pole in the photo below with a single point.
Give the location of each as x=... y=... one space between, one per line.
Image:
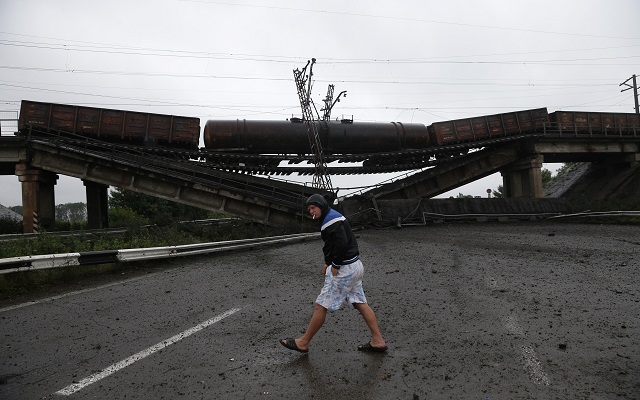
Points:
x=329 y=103
x=635 y=90
x=321 y=178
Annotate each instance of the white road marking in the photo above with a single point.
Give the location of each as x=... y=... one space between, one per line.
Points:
x=533 y=366
x=144 y=353
x=531 y=363
x=31 y=303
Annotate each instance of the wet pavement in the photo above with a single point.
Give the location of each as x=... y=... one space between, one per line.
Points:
x=469 y=311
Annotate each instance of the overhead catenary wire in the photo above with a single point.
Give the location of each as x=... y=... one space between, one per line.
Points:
x=595 y=55
x=414 y=19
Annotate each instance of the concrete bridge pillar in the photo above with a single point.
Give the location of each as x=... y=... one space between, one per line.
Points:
x=38 y=198
x=523 y=178
x=633 y=159
x=97 y=205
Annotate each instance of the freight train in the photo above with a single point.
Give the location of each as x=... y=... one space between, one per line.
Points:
x=348 y=137
x=109 y=125
x=290 y=137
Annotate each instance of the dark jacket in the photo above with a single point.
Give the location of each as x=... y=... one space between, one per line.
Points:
x=340 y=246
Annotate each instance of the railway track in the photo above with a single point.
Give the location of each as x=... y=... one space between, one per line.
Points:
x=288 y=164
x=274 y=164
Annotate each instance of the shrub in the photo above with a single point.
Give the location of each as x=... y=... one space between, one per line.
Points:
x=126 y=217
x=10 y=226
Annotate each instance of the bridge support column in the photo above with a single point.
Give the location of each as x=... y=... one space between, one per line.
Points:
x=633 y=159
x=38 y=198
x=523 y=178
x=97 y=205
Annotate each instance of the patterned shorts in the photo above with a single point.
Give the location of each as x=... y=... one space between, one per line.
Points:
x=346 y=286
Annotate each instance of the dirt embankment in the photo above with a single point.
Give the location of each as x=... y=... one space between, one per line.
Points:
x=599 y=187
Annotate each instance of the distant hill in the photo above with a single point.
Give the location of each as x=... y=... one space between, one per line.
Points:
x=5 y=213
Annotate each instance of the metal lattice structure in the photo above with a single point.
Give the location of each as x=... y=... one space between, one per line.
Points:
x=329 y=103
x=321 y=178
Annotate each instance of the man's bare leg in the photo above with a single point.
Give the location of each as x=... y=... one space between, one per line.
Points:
x=317 y=320
x=370 y=318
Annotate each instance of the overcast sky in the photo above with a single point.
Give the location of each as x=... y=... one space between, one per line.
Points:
x=408 y=61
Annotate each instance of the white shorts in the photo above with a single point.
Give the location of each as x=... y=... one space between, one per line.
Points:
x=346 y=286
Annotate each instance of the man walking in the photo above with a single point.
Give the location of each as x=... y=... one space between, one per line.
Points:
x=343 y=272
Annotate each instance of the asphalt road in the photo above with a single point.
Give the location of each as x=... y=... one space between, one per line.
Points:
x=470 y=311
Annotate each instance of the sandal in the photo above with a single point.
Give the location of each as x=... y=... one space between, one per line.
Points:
x=370 y=348
x=291 y=345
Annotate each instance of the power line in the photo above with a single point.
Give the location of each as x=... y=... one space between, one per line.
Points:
x=285 y=59
x=420 y=20
x=416 y=81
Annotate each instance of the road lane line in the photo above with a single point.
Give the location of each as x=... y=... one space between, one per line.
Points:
x=533 y=366
x=531 y=363
x=144 y=353
x=61 y=296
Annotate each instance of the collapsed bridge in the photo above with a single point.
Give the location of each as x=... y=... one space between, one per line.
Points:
x=161 y=155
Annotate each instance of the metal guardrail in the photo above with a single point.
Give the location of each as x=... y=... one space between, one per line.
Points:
x=30 y=263
x=597 y=214
x=535 y=216
x=109 y=231
x=426 y=216
x=61 y=234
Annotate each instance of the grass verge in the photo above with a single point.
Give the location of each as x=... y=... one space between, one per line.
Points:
x=17 y=284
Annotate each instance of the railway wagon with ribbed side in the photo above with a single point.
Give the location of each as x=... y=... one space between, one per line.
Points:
x=488 y=126
x=109 y=124
x=596 y=123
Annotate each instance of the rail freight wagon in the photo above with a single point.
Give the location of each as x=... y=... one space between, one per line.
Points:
x=596 y=123
x=110 y=125
x=291 y=137
x=488 y=126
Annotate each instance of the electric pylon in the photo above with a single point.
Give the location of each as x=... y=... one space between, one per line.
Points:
x=321 y=178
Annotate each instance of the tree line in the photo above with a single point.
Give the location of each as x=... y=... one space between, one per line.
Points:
x=126 y=208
